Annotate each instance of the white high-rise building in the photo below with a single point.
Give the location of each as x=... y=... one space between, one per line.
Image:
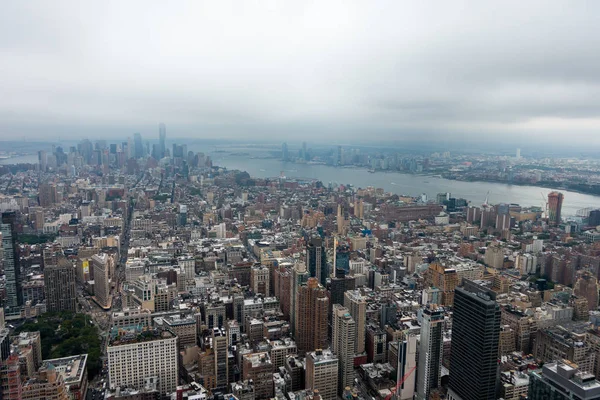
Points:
x=357 y=305
x=135 y=356
x=343 y=343
x=431 y=350
x=407 y=364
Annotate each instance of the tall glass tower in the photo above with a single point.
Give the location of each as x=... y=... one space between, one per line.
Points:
x=475 y=336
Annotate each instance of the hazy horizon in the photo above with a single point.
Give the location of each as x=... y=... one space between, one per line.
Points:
x=288 y=71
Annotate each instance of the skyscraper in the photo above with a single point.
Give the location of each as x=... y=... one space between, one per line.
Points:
x=407 y=363
x=138 y=146
x=322 y=373
x=59 y=285
x=219 y=346
x=162 y=136
x=356 y=304
x=343 y=344
x=12 y=265
x=475 y=337
x=299 y=276
x=101 y=266
x=312 y=307
x=555 y=200
x=285 y=155
x=431 y=350
x=316 y=260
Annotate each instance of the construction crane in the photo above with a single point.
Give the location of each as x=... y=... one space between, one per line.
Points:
x=485 y=203
x=544 y=206
x=400 y=382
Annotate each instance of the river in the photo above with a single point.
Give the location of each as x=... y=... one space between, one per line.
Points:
x=394 y=182
x=408 y=184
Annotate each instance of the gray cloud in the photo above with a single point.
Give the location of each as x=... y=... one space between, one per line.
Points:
x=385 y=70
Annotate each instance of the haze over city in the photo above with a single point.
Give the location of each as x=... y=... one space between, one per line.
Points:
x=350 y=71
x=278 y=200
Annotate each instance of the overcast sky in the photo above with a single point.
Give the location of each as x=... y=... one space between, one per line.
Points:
x=322 y=70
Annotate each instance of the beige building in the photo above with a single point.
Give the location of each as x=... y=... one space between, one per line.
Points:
x=322 y=373
x=357 y=305
x=47 y=384
x=343 y=344
x=259 y=280
x=102 y=266
x=135 y=356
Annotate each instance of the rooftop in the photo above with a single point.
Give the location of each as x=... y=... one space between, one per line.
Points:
x=71 y=368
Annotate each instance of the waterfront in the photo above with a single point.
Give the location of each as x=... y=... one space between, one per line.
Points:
x=408 y=184
x=394 y=182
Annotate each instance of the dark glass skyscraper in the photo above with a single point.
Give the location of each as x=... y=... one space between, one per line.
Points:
x=475 y=336
x=316 y=260
x=12 y=267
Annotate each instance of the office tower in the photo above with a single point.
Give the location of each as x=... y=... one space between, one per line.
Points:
x=376 y=344
x=407 y=365
x=594 y=218
x=355 y=302
x=340 y=283
x=259 y=280
x=138 y=146
x=36 y=215
x=220 y=346
x=445 y=279
x=130 y=148
x=42 y=160
x=47 y=195
x=312 y=306
x=340 y=156
x=182 y=326
x=555 y=201
x=59 y=285
x=316 y=259
x=518 y=155
x=586 y=286
x=562 y=381
x=133 y=357
x=389 y=315
x=299 y=276
x=322 y=373
x=295 y=367
x=475 y=337
x=100 y=264
x=85 y=149
x=12 y=264
x=285 y=156
x=430 y=351
x=162 y=136
x=342 y=258
x=258 y=368
x=343 y=344
x=5 y=345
